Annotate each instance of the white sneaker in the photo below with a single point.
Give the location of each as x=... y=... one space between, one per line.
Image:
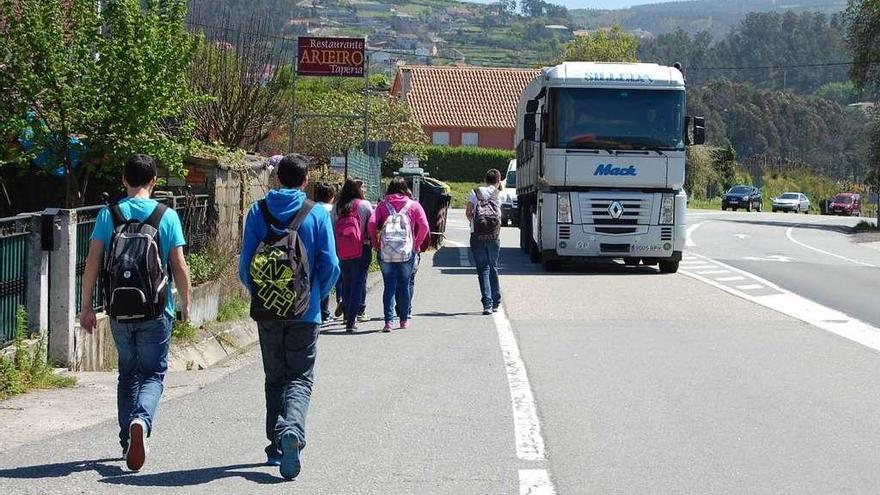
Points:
x=136 y=455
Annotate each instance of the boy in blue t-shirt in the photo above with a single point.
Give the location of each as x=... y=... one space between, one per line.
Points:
x=143 y=345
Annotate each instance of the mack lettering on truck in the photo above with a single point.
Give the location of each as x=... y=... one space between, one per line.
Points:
x=609 y=169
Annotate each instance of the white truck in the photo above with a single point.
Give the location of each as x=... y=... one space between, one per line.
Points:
x=601 y=164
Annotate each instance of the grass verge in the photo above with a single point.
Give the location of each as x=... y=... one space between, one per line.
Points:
x=28 y=369
x=235 y=308
x=865 y=226
x=184 y=332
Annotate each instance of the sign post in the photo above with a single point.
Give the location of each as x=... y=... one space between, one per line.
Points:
x=331 y=57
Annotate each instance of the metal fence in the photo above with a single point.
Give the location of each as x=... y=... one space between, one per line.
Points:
x=192 y=210
x=368 y=169
x=14 y=233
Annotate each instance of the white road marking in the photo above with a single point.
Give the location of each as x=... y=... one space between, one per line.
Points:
x=535 y=482
x=527 y=427
x=729 y=279
x=788 y=233
x=772 y=257
x=453 y=243
x=742 y=237
x=802 y=309
x=690 y=230
x=714 y=272
x=750 y=287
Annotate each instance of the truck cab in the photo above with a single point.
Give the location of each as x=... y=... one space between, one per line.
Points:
x=601 y=163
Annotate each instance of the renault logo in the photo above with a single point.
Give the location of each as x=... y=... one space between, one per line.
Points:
x=615 y=210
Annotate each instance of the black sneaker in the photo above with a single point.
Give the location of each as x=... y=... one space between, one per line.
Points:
x=487 y=311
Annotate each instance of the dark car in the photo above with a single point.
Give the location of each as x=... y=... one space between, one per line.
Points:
x=745 y=197
x=849 y=204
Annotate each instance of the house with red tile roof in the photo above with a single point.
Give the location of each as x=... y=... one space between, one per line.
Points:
x=464 y=106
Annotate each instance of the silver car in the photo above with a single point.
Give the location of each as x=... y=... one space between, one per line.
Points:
x=792 y=201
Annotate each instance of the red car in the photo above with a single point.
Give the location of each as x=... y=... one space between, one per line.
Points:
x=849 y=204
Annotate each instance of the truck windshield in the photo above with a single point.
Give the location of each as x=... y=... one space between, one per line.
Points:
x=618 y=118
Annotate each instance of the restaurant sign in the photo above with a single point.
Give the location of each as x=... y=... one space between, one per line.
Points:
x=334 y=57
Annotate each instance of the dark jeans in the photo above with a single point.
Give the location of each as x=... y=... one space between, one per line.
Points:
x=354 y=273
x=486 y=254
x=143 y=361
x=397 y=278
x=289 y=349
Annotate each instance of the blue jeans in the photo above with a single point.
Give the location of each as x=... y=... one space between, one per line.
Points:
x=486 y=254
x=143 y=361
x=397 y=278
x=412 y=287
x=368 y=258
x=354 y=273
x=289 y=349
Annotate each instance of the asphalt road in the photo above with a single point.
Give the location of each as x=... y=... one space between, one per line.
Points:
x=642 y=383
x=810 y=255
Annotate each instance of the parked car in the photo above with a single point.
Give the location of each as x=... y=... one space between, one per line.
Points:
x=509 y=203
x=846 y=204
x=792 y=201
x=746 y=197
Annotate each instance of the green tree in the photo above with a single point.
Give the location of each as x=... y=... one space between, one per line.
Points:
x=863 y=34
x=111 y=73
x=602 y=46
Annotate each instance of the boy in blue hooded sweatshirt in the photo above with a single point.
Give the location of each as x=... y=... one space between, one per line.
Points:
x=289 y=347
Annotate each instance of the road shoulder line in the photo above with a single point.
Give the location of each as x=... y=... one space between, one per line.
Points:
x=788 y=233
x=800 y=308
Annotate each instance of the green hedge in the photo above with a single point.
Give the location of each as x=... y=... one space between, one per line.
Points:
x=457 y=164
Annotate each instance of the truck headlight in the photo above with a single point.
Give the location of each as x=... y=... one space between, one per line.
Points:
x=667 y=210
x=563 y=208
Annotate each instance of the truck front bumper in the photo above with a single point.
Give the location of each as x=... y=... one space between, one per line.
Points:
x=651 y=242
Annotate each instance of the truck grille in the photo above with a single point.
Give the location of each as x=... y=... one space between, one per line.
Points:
x=637 y=210
x=564 y=232
x=666 y=234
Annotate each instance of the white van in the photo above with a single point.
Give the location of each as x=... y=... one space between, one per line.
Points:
x=509 y=205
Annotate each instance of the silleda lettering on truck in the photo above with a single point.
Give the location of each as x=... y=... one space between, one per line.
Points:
x=610 y=169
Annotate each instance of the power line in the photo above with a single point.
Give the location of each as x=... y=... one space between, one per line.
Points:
x=782 y=67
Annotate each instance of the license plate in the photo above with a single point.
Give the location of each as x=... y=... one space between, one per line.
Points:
x=733 y=202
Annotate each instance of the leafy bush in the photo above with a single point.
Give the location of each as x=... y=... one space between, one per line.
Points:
x=184 y=332
x=235 y=308
x=462 y=164
x=208 y=266
x=28 y=370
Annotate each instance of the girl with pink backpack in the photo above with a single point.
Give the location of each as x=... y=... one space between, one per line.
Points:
x=351 y=216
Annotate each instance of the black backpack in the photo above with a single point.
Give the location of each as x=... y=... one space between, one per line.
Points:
x=280 y=270
x=135 y=282
x=487 y=216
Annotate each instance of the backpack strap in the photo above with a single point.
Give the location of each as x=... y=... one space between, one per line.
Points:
x=479 y=194
x=301 y=216
x=116 y=215
x=155 y=218
x=270 y=220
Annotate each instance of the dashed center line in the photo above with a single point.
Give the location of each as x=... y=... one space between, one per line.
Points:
x=714 y=272
x=729 y=279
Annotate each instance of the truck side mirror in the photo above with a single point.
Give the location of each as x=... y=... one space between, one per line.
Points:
x=699 y=130
x=529 y=128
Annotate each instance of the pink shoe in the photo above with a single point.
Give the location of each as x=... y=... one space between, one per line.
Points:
x=404 y=324
x=387 y=327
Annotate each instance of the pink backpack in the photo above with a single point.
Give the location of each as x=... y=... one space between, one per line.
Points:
x=349 y=234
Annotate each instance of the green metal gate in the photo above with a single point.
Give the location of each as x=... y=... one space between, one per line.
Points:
x=14 y=233
x=368 y=169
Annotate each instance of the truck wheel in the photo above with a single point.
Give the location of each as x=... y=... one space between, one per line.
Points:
x=668 y=266
x=631 y=261
x=534 y=252
x=550 y=265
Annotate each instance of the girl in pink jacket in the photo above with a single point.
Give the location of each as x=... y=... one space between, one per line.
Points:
x=397 y=274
